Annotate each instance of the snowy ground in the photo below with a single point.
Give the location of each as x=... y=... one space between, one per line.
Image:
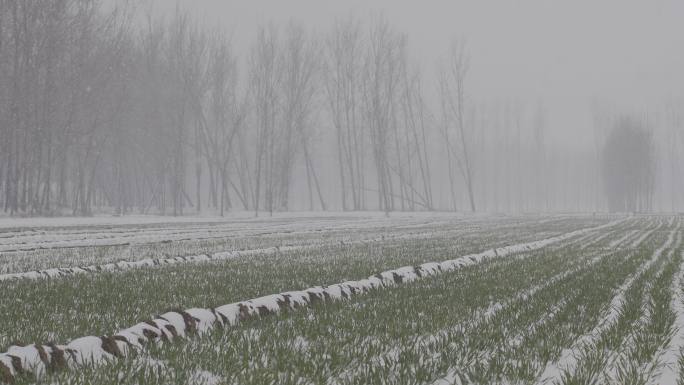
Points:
x=485 y=299
x=242 y=216
x=77 y=243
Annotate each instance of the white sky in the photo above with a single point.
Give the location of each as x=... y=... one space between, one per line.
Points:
x=628 y=54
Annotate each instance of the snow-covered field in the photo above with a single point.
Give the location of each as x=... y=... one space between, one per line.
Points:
x=94 y=241
x=343 y=299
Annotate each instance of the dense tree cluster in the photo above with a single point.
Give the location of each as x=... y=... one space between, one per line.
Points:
x=628 y=167
x=105 y=108
x=97 y=111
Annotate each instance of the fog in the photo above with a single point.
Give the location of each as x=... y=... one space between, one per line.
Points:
x=625 y=55
x=554 y=102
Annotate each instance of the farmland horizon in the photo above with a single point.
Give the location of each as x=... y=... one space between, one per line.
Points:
x=381 y=192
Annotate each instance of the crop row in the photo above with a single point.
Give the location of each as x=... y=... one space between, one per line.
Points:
x=63 y=309
x=418 y=332
x=38 y=359
x=295 y=234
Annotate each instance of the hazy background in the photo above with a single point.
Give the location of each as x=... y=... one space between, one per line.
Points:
x=205 y=106
x=621 y=55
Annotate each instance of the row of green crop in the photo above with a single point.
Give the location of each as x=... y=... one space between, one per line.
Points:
x=623 y=349
x=410 y=334
x=16 y=262
x=58 y=310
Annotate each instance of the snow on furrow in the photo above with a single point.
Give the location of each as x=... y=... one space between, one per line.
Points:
x=204 y=377
x=93 y=350
x=454 y=376
x=667 y=364
x=588 y=240
x=636 y=237
x=615 y=358
x=625 y=238
x=243 y=218
x=52 y=239
x=33 y=239
x=583 y=240
x=550 y=316
x=569 y=357
x=59 y=272
x=643 y=236
x=598 y=239
x=199 y=224
x=147 y=237
x=20 y=263
x=142 y=363
x=538 y=324
x=428 y=342
x=479 y=318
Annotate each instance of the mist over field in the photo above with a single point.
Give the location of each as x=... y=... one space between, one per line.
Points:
x=304 y=192
x=265 y=106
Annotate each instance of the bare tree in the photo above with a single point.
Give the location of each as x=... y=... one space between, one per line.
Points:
x=186 y=52
x=104 y=108
x=382 y=76
x=415 y=172
x=344 y=54
x=220 y=123
x=264 y=79
x=452 y=91
x=299 y=60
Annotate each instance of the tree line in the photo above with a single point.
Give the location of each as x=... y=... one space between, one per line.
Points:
x=104 y=107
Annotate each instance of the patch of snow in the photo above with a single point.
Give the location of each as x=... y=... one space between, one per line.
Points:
x=568 y=359
x=203 y=377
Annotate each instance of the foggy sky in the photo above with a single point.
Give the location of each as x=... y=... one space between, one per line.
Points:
x=627 y=55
